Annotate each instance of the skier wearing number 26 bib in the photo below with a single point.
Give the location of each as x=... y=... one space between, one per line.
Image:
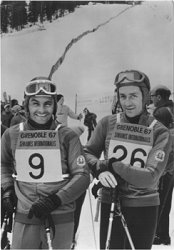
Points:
x=43 y=172
x=135 y=148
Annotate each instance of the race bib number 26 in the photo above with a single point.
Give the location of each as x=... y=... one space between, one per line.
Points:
x=129 y=153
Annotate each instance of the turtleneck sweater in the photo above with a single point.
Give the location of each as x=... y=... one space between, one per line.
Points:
x=134 y=120
x=38 y=126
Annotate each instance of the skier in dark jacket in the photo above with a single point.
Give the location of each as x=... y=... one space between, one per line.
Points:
x=90 y=122
x=164 y=112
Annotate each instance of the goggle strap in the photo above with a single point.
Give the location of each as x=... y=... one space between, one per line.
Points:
x=40 y=81
x=138 y=84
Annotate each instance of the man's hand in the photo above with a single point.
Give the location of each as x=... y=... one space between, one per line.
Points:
x=44 y=206
x=80 y=116
x=9 y=201
x=107 y=179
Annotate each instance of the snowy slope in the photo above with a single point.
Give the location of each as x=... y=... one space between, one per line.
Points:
x=140 y=38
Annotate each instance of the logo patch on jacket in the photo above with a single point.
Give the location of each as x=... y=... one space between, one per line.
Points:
x=159 y=156
x=81 y=161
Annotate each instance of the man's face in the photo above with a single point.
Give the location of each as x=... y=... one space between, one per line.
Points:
x=61 y=101
x=41 y=108
x=7 y=109
x=85 y=111
x=131 y=100
x=155 y=99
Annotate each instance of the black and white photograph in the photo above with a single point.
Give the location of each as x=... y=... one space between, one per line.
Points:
x=87 y=124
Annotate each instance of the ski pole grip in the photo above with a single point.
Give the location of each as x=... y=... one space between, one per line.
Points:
x=95 y=189
x=48 y=233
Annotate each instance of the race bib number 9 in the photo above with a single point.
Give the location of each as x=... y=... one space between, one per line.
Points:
x=38 y=157
x=38 y=166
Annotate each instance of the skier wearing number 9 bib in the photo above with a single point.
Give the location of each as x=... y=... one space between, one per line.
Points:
x=136 y=149
x=44 y=166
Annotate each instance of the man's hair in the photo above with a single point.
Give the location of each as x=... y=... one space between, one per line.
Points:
x=14 y=102
x=164 y=93
x=59 y=97
x=85 y=109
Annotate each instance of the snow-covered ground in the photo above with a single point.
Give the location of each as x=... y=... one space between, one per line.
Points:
x=140 y=38
x=88 y=232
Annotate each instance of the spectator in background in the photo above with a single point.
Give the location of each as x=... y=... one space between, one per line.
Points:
x=115 y=107
x=6 y=115
x=164 y=112
x=5 y=243
x=18 y=115
x=90 y=122
x=3 y=128
x=14 y=102
x=150 y=108
x=63 y=112
x=160 y=97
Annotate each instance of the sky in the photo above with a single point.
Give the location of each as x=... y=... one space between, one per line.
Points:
x=139 y=38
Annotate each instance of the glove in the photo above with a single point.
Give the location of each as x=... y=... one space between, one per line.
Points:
x=110 y=167
x=101 y=166
x=95 y=189
x=9 y=201
x=44 y=206
x=80 y=116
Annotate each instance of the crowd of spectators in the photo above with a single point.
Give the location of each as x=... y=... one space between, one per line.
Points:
x=11 y=113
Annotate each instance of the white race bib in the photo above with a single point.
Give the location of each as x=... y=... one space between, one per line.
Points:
x=131 y=143
x=38 y=157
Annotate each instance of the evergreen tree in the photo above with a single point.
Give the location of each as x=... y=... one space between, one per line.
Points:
x=49 y=9
x=34 y=11
x=4 y=17
x=17 y=14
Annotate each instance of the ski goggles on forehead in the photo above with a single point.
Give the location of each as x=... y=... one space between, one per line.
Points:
x=129 y=76
x=46 y=86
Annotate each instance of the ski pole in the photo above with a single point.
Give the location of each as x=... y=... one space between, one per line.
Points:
x=5 y=243
x=48 y=234
x=127 y=232
x=94 y=191
x=112 y=211
x=90 y=202
x=119 y=213
x=97 y=210
x=4 y=226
